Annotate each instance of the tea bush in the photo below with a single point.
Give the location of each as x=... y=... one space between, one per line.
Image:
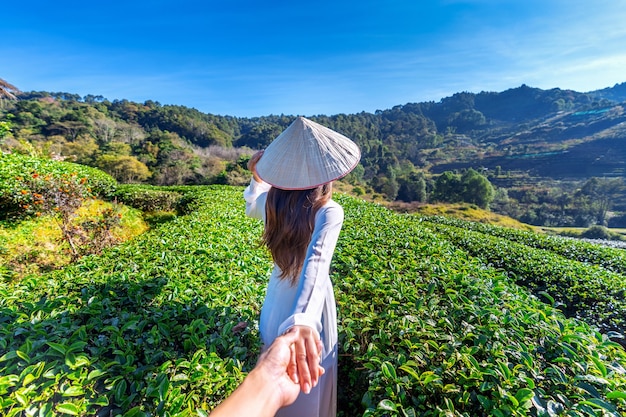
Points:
x=163 y=325
x=580 y=289
x=16 y=168
x=166 y=325
x=429 y=330
x=610 y=258
x=148 y=199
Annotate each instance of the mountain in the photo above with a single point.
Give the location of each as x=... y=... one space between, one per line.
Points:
x=583 y=141
x=615 y=93
x=538 y=146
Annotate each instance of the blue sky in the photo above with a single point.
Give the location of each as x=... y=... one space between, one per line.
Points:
x=253 y=58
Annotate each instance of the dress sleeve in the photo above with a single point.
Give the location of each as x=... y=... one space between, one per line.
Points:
x=314 y=282
x=255 y=195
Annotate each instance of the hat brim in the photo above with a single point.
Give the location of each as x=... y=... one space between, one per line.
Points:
x=307 y=155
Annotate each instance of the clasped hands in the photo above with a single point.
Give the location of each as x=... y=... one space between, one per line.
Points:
x=289 y=365
x=293 y=361
x=304 y=359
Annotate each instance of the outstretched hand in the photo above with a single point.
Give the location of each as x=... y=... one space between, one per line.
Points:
x=277 y=365
x=270 y=385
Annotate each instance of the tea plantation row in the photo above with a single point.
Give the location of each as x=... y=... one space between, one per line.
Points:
x=166 y=325
x=581 y=289
x=610 y=258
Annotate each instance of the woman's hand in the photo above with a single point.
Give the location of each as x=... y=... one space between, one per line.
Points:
x=254 y=159
x=305 y=358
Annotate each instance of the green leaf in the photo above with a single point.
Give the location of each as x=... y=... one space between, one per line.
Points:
x=601 y=367
x=409 y=370
x=120 y=390
x=9 y=380
x=21 y=398
x=68 y=408
x=180 y=377
x=524 y=395
x=73 y=391
x=530 y=383
x=101 y=401
x=597 y=402
x=96 y=373
x=76 y=346
x=430 y=376
x=28 y=379
x=23 y=355
x=58 y=347
x=484 y=401
x=70 y=360
x=134 y=412
x=387 y=405
x=616 y=394
x=8 y=356
x=163 y=387
x=389 y=371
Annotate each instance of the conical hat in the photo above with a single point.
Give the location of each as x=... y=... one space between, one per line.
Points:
x=306 y=155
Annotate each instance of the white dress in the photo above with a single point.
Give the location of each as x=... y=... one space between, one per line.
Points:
x=310 y=302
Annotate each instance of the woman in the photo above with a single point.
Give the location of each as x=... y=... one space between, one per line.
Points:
x=291 y=190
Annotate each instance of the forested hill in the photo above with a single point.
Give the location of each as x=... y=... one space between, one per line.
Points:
x=516 y=137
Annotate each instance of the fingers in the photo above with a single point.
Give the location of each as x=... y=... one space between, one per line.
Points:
x=305 y=349
x=313 y=359
x=304 y=373
x=308 y=350
x=292 y=368
x=320 y=347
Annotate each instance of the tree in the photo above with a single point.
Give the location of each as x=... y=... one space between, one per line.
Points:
x=62 y=196
x=83 y=150
x=70 y=129
x=448 y=188
x=124 y=168
x=412 y=187
x=476 y=189
x=104 y=129
x=467 y=120
x=5 y=129
x=7 y=92
x=471 y=187
x=598 y=195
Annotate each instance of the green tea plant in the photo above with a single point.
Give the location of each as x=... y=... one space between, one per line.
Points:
x=15 y=168
x=580 y=289
x=148 y=199
x=428 y=329
x=609 y=258
x=165 y=324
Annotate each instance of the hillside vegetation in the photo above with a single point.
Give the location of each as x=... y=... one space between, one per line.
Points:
x=165 y=324
x=555 y=157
